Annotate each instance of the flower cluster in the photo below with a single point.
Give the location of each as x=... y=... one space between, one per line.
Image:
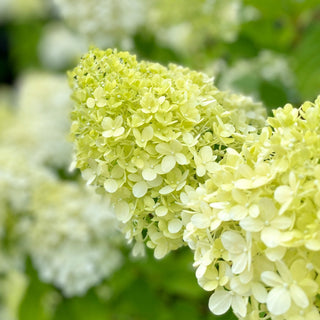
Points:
x=56 y=222
x=143 y=132
x=72 y=227
x=190 y=27
x=103 y=22
x=41 y=122
x=254 y=224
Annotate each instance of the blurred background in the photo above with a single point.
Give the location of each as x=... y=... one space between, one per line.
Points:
x=60 y=254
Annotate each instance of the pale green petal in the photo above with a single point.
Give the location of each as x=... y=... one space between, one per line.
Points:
x=140 y=189
x=278 y=301
x=181 y=158
x=220 y=301
x=259 y=292
x=91 y=103
x=233 y=242
x=283 y=194
x=111 y=185
x=123 y=212
x=270 y=237
x=166 y=190
x=299 y=296
x=174 y=225
x=168 y=163
x=271 y=279
x=161 y=211
x=251 y=225
x=149 y=174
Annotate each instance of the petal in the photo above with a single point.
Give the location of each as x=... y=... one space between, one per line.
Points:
x=147 y=133
x=270 y=237
x=166 y=190
x=278 y=301
x=283 y=194
x=181 y=158
x=163 y=148
x=118 y=132
x=271 y=279
x=122 y=211
x=174 y=225
x=161 y=211
x=239 y=305
x=240 y=262
x=238 y=212
x=168 y=163
x=251 y=225
x=91 y=102
x=149 y=174
x=259 y=292
x=201 y=170
x=111 y=185
x=233 y=242
x=220 y=301
x=161 y=249
x=205 y=153
x=299 y=296
x=200 y=221
x=140 y=189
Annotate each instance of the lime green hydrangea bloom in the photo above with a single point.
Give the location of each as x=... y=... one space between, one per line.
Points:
x=258 y=217
x=143 y=132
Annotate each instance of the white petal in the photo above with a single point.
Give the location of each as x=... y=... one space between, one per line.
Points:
x=271 y=279
x=259 y=292
x=220 y=301
x=274 y=254
x=283 y=194
x=200 y=221
x=239 y=305
x=299 y=296
x=251 y=225
x=270 y=237
x=168 y=163
x=174 y=226
x=278 y=301
x=239 y=263
x=140 y=189
x=233 y=242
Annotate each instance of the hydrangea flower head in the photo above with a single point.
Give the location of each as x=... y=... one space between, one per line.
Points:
x=72 y=227
x=143 y=132
x=259 y=214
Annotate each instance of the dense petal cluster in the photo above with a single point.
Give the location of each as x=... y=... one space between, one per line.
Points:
x=70 y=233
x=190 y=27
x=254 y=225
x=42 y=122
x=103 y=22
x=74 y=228
x=143 y=131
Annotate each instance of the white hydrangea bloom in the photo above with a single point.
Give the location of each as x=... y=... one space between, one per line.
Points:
x=41 y=127
x=267 y=66
x=189 y=27
x=72 y=237
x=104 y=23
x=59 y=47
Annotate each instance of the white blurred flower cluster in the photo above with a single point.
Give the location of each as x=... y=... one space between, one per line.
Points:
x=45 y=212
x=71 y=237
x=246 y=75
x=103 y=23
x=191 y=26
